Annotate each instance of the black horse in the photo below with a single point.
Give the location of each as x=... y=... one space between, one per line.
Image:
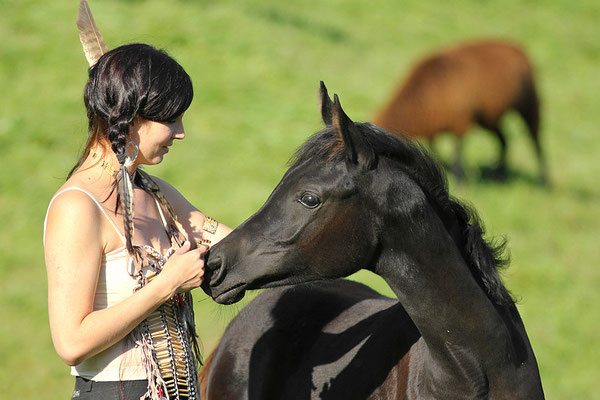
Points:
x=357 y=197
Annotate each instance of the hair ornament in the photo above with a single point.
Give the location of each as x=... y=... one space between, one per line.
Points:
x=125 y=191
x=91 y=39
x=129 y=159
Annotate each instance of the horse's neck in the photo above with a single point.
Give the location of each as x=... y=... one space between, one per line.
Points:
x=443 y=299
x=464 y=337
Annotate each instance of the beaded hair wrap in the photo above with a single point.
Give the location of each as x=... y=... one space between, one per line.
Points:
x=167 y=339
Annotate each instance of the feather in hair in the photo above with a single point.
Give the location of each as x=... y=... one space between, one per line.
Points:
x=125 y=190
x=91 y=39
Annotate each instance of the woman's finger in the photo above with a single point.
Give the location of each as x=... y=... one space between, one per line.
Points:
x=185 y=247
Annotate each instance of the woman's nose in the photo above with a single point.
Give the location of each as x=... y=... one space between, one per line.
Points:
x=180 y=134
x=178 y=131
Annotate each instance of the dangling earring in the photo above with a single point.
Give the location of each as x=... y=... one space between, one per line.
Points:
x=130 y=158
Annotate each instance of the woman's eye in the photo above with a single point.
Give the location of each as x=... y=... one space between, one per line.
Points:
x=309 y=200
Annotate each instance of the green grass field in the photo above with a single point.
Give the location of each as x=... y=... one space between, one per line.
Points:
x=256 y=66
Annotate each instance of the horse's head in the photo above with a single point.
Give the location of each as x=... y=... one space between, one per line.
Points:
x=312 y=226
x=325 y=218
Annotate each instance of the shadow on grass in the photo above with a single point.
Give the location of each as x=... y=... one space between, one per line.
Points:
x=281 y=17
x=490 y=173
x=577 y=192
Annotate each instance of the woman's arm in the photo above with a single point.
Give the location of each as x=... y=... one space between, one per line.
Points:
x=189 y=217
x=74 y=246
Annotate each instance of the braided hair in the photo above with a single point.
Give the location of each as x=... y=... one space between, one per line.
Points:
x=130 y=81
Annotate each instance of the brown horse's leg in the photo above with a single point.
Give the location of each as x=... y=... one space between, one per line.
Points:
x=492 y=124
x=529 y=109
x=501 y=169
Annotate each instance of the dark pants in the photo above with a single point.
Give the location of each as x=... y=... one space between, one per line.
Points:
x=86 y=389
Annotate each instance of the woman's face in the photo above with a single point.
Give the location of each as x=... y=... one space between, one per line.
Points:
x=155 y=138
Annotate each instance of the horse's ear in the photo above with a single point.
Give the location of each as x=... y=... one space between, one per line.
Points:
x=326 y=106
x=358 y=150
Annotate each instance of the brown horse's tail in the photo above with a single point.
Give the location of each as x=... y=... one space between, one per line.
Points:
x=203 y=375
x=528 y=107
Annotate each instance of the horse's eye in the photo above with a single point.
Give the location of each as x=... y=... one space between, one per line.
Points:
x=309 y=200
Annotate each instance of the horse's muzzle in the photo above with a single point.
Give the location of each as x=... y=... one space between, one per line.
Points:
x=214 y=283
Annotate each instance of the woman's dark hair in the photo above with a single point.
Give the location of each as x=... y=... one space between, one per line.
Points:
x=131 y=80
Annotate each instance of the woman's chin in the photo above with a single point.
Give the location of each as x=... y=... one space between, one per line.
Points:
x=154 y=160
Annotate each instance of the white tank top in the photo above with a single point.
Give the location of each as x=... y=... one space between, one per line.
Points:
x=123 y=360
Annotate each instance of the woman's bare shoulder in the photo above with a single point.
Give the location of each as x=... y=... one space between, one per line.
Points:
x=72 y=203
x=77 y=204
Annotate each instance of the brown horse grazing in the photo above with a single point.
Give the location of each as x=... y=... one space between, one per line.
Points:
x=472 y=84
x=357 y=197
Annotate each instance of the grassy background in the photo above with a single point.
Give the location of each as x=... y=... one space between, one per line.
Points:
x=256 y=67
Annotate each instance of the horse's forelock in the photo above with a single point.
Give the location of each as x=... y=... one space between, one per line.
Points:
x=323 y=145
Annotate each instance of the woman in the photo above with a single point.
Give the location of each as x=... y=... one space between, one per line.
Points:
x=120 y=246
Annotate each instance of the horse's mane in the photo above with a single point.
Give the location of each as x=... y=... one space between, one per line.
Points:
x=484 y=258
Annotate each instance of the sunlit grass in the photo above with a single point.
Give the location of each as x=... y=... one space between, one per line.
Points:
x=256 y=66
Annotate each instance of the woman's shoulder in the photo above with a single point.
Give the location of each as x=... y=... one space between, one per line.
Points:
x=72 y=214
x=88 y=185
x=169 y=191
x=78 y=199
x=73 y=201
x=163 y=185
x=180 y=204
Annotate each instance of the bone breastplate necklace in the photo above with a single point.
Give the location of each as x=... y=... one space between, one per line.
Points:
x=167 y=337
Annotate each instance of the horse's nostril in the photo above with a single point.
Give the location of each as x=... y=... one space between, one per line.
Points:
x=218 y=276
x=212 y=262
x=213 y=270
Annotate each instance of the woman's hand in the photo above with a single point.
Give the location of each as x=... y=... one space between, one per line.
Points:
x=184 y=270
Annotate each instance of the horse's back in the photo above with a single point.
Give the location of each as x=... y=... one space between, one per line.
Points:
x=340 y=335
x=485 y=78
x=452 y=89
x=502 y=75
